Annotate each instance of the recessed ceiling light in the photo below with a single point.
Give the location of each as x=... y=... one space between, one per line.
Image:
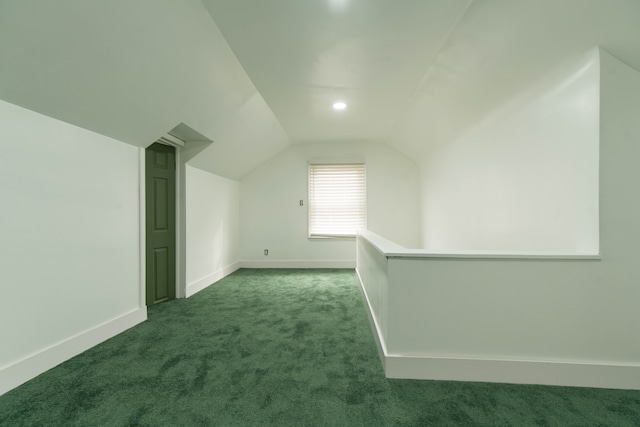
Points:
x=339 y=106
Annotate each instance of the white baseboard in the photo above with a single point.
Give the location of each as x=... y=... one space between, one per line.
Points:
x=200 y=284
x=299 y=264
x=574 y=374
x=560 y=373
x=375 y=327
x=17 y=373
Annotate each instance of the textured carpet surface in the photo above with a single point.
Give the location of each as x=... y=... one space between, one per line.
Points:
x=281 y=348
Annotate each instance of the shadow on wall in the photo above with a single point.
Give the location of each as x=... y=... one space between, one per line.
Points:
x=525 y=178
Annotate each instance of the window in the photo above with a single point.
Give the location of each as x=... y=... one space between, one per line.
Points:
x=336 y=200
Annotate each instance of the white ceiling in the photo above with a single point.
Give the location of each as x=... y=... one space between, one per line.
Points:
x=133 y=70
x=304 y=55
x=413 y=72
x=255 y=76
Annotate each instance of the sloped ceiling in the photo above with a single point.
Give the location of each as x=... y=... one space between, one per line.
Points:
x=414 y=73
x=305 y=55
x=133 y=70
x=255 y=76
x=501 y=48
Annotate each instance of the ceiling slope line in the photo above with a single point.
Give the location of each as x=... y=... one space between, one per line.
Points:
x=244 y=72
x=414 y=95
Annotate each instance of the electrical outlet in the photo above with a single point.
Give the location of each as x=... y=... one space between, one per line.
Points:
x=301 y=202
x=266 y=252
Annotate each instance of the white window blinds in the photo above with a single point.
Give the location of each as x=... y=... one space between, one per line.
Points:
x=336 y=199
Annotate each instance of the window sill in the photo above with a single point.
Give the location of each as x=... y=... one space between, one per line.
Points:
x=331 y=237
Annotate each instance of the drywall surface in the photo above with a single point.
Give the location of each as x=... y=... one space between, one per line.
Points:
x=305 y=55
x=499 y=48
x=525 y=178
x=502 y=309
x=580 y=315
x=619 y=201
x=133 y=71
x=212 y=226
x=69 y=227
x=373 y=273
x=516 y=320
x=271 y=217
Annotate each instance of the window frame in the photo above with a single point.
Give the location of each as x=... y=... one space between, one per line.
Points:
x=310 y=199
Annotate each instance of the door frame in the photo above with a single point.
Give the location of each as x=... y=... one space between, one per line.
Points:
x=181 y=289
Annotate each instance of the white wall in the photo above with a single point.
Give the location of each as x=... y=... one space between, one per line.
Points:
x=521 y=319
x=69 y=233
x=271 y=217
x=619 y=178
x=569 y=322
x=525 y=178
x=212 y=228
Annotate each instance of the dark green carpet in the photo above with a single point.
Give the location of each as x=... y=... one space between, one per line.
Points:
x=279 y=347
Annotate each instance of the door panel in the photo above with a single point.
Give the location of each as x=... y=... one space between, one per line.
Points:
x=161 y=204
x=161 y=227
x=161 y=272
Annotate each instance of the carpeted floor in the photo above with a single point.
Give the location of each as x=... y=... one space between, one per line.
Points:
x=281 y=348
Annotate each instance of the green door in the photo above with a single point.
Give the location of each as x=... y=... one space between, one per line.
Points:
x=160 y=189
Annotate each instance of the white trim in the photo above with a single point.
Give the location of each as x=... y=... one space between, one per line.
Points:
x=171 y=141
x=181 y=227
x=17 y=373
x=298 y=264
x=200 y=284
x=142 y=221
x=575 y=374
x=375 y=327
x=560 y=373
x=411 y=253
x=393 y=250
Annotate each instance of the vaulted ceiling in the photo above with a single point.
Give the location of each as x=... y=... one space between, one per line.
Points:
x=413 y=72
x=305 y=55
x=258 y=75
